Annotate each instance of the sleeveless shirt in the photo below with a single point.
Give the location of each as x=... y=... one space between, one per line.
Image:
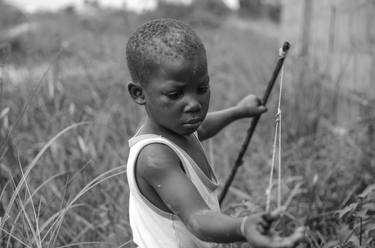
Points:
x=153 y=227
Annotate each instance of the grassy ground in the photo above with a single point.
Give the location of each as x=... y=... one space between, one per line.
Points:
x=71 y=73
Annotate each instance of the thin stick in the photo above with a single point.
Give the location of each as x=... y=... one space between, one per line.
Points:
x=255 y=121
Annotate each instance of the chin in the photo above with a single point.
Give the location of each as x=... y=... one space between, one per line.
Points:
x=184 y=131
x=188 y=131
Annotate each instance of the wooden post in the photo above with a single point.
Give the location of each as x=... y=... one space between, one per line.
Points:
x=306 y=27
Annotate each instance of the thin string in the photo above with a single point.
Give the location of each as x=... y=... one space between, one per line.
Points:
x=279 y=193
x=276 y=148
x=269 y=189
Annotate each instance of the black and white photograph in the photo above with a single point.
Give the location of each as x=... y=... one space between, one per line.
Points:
x=187 y=124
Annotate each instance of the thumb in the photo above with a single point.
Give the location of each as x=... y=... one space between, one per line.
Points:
x=262 y=109
x=283 y=242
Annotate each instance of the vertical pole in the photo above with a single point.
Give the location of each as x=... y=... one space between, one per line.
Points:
x=332 y=28
x=306 y=27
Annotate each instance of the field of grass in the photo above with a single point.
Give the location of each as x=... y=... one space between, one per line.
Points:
x=66 y=118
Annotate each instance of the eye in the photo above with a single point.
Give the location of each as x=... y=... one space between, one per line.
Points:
x=175 y=94
x=203 y=89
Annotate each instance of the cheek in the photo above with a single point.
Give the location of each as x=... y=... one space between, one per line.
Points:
x=165 y=107
x=157 y=102
x=206 y=100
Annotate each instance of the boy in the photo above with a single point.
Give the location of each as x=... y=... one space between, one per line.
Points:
x=173 y=201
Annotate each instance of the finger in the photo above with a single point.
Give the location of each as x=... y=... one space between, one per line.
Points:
x=269 y=218
x=277 y=241
x=262 y=229
x=262 y=220
x=297 y=236
x=261 y=224
x=262 y=109
x=259 y=102
x=277 y=212
x=266 y=223
x=257 y=239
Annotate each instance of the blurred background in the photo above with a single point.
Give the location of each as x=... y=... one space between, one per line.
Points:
x=66 y=117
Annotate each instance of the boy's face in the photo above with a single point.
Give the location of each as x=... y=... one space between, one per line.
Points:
x=177 y=95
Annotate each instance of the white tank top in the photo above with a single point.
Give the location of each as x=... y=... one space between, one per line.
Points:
x=153 y=227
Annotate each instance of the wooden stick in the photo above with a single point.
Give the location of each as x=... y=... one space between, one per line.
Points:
x=282 y=54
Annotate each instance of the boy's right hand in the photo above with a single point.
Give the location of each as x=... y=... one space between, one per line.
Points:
x=256 y=231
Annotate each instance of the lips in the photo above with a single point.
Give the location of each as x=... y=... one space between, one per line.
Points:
x=193 y=121
x=192 y=124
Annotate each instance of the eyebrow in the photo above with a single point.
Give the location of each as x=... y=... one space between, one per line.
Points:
x=175 y=83
x=181 y=84
x=204 y=80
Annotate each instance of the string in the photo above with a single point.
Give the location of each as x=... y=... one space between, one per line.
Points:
x=279 y=193
x=276 y=148
x=269 y=189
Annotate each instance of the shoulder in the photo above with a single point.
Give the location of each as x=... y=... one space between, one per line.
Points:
x=156 y=158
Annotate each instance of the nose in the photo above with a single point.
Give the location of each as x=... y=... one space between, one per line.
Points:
x=192 y=104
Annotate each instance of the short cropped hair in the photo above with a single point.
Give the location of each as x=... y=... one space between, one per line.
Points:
x=157 y=41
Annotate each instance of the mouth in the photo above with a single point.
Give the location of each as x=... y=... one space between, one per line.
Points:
x=193 y=123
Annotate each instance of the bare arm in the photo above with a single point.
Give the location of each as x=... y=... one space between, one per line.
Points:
x=159 y=166
x=216 y=121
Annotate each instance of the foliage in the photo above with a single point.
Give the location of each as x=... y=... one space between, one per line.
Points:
x=358 y=227
x=354 y=224
x=9 y=15
x=208 y=13
x=258 y=8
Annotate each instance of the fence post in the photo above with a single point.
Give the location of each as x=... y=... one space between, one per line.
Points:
x=306 y=27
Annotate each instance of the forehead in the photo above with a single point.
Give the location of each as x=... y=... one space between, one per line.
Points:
x=183 y=69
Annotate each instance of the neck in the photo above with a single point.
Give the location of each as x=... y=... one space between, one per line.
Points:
x=150 y=127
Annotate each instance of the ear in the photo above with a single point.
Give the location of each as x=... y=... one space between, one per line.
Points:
x=136 y=92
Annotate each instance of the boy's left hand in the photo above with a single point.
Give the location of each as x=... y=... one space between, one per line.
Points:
x=250 y=106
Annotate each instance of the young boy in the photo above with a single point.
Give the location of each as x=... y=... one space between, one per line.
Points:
x=173 y=199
